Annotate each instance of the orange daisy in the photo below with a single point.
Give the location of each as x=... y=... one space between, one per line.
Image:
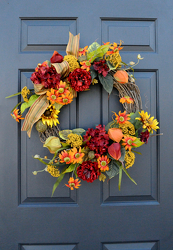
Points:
x=129 y=142
x=62 y=89
x=122 y=117
x=52 y=95
x=126 y=99
x=65 y=99
x=76 y=157
x=114 y=48
x=16 y=116
x=73 y=183
x=65 y=157
x=85 y=65
x=103 y=162
x=83 y=51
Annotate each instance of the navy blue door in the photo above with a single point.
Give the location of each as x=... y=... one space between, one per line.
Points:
x=96 y=216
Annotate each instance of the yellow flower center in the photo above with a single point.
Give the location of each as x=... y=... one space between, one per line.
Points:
x=103 y=163
x=61 y=90
x=53 y=97
x=87 y=63
x=72 y=184
x=65 y=100
x=121 y=118
x=129 y=142
x=77 y=155
x=47 y=113
x=66 y=159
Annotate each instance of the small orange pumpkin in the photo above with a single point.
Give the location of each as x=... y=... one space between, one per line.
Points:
x=121 y=76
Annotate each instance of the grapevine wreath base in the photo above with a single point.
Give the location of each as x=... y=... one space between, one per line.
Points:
x=105 y=151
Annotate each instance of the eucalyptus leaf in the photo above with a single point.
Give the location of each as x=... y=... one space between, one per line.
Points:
x=28 y=104
x=123 y=152
x=93 y=74
x=107 y=82
x=113 y=169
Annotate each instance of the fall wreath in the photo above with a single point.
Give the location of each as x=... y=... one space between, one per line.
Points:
x=104 y=151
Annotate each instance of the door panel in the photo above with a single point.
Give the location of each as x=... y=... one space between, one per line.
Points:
x=97 y=215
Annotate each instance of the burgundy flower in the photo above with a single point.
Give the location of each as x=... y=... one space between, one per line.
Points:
x=101 y=67
x=80 y=79
x=97 y=140
x=56 y=58
x=46 y=76
x=144 y=136
x=88 y=171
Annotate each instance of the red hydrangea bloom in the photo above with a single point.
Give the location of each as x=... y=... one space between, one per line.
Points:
x=80 y=79
x=101 y=67
x=46 y=76
x=144 y=136
x=88 y=171
x=97 y=140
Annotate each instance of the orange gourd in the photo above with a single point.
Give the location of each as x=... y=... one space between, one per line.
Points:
x=121 y=76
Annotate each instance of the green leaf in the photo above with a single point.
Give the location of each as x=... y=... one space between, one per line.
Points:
x=133 y=116
x=107 y=82
x=111 y=67
x=48 y=63
x=120 y=177
x=16 y=106
x=136 y=152
x=113 y=169
x=108 y=126
x=64 y=144
x=125 y=171
x=98 y=52
x=93 y=47
x=123 y=152
x=69 y=169
x=138 y=124
x=57 y=183
x=19 y=93
x=111 y=124
x=82 y=58
x=28 y=104
x=93 y=74
x=138 y=143
x=64 y=134
x=78 y=131
x=57 y=106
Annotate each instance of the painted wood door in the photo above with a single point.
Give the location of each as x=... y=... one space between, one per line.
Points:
x=97 y=216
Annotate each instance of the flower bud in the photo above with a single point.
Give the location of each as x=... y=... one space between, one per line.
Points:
x=91 y=155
